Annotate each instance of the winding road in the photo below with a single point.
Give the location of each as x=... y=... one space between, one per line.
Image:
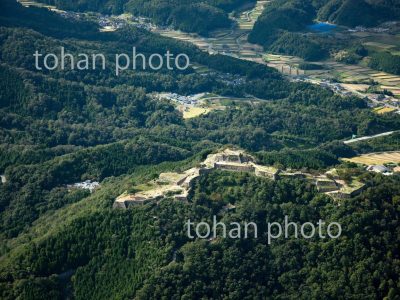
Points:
x=364 y=138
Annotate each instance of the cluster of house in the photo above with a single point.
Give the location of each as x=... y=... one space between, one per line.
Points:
x=379 y=99
x=143 y=23
x=70 y=15
x=384 y=170
x=230 y=79
x=85 y=185
x=190 y=100
x=335 y=87
x=179 y=185
x=387 y=27
x=365 y=29
x=115 y=23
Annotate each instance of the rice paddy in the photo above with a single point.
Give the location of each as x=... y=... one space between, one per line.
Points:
x=231 y=42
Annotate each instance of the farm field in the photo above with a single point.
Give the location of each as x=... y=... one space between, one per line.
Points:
x=209 y=103
x=354 y=78
x=356 y=87
x=33 y=3
x=376 y=158
x=287 y=64
x=193 y=112
x=200 y=104
x=231 y=42
x=384 y=110
x=380 y=41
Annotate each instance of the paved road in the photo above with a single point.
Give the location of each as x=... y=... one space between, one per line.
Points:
x=364 y=138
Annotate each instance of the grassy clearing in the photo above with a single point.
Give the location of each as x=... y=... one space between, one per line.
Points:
x=384 y=110
x=193 y=112
x=376 y=158
x=356 y=87
x=379 y=46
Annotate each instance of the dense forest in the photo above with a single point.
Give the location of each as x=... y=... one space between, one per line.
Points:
x=281 y=15
x=359 y=12
x=384 y=61
x=65 y=126
x=145 y=252
x=299 y=45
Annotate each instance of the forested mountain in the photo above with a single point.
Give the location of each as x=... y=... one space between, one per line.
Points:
x=60 y=112
x=359 y=12
x=64 y=126
x=145 y=253
x=193 y=16
x=287 y=15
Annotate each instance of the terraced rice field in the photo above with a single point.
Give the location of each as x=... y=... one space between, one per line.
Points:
x=379 y=46
x=232 y=41
x=350 y=74
x=33 y=3
x=376 y=158
x=287 y=64
x=247 y=19
x=28 y=3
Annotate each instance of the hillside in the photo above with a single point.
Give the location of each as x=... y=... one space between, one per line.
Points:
x=199 y=16
x=63 y=128
x=359 y=12
x=294 y=16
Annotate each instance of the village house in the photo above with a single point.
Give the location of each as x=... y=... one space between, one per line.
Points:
x=379 y=169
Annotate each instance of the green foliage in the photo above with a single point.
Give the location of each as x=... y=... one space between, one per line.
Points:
x=62 y=127
x=103 y=6
x=33 y=288
x=50 y=23
x=310 y=66
x=298 y=45
x=359 y=12
x=297 y=159
x=249 y=269
x=285 y=15
x=199 y=16
x=381 y=144
x=322 y=157
x=385 y=61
